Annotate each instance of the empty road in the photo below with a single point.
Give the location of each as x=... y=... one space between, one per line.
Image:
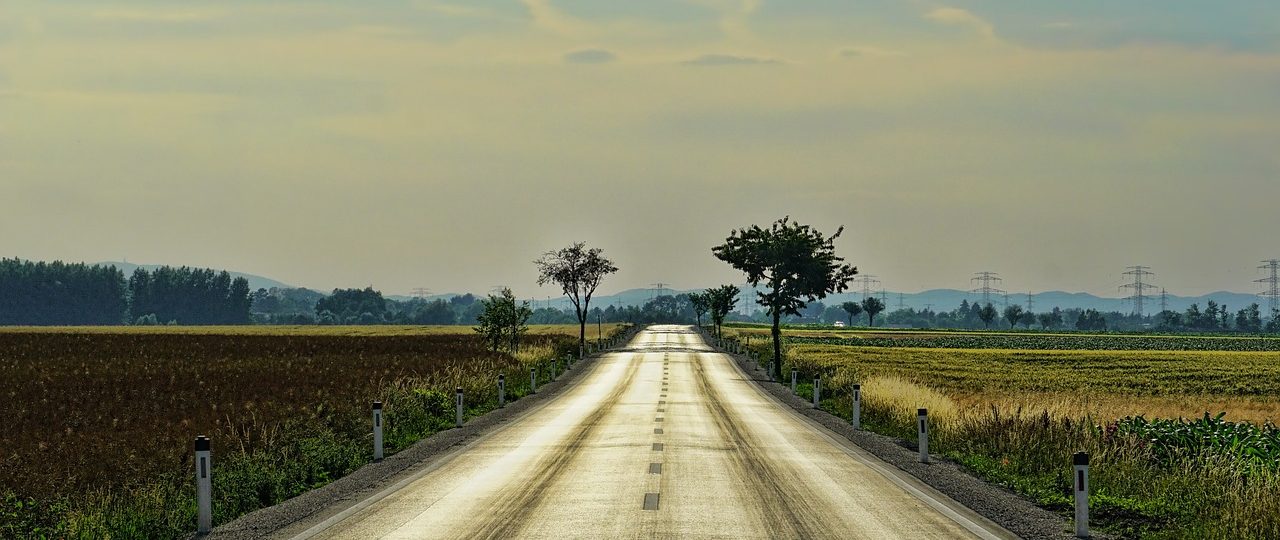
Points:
x=662 y=439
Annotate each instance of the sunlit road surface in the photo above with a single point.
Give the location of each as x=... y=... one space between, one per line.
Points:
x=661 y=439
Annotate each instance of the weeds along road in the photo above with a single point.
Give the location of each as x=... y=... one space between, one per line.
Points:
x=663 y=438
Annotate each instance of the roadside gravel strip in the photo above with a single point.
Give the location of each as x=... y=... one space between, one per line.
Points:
x=1014 y=512
x=368 y=480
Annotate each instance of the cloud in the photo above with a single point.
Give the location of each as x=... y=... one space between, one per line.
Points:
x=590 y=56
x=156 y=16
x=869 y=52
x=729 y=60
x=455 y=10
x=961 y=17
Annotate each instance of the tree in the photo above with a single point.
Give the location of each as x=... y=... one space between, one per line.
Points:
x=797 y=263
x=1045 y=319
x=1091 y=320
x=503 y=320
x=872 y=306
x=1249 y=319
x=578 y=270
x=853 y=309
x=701 y=305
x=1028 y=319
x=722 y=300
x=988 y=315
x=1013 y=314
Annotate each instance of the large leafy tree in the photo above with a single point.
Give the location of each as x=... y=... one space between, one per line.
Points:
x=872 y=306
x=1013 y=314
x=988 y=314
x=795 y=262
x=701 y=305
x=853 y=309
x=578 y=270
x=721 y=300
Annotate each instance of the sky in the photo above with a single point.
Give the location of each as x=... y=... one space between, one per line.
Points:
x=446 y=144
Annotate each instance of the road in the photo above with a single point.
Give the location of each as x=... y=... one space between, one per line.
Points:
x=662 y=439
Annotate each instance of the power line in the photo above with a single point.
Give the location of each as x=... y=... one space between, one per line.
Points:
x=656 y=287
x=866 y=281
x=1139 y=286
x=421 y=293
x=986 y=279
x=1272 y=294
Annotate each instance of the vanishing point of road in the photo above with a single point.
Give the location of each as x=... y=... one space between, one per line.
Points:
x=664 y=438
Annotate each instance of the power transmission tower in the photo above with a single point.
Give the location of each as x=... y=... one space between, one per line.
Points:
x=1164 y=300
x=884 y=297
x=421 y=293
x=901 y=304
x=1006 y=300
x=866 y=281
x=1139 y=287
x=986 y=279
x=1030 y=303
x=656 y=287
x=1272 y=294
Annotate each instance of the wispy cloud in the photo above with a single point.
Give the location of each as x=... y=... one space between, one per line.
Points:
x=863 y=51
x=590 y=56
x=730 y=60
x=962 y=17
x=157 y=15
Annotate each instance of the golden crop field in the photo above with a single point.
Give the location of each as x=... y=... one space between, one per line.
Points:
x=302 y=330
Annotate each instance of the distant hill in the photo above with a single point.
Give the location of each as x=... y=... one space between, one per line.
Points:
x=255 y=282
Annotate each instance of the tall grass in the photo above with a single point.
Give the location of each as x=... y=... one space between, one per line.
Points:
x=1024 y=440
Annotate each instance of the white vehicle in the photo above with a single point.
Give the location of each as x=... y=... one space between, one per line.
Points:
x=838 y=324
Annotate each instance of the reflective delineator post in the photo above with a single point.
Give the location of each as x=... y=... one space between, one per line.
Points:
x=459 y=406
x=922 y=432
x=502 y=390
x=1081 y=462
x=817 y=391
x=533 y=380
x=793 y=380
x=857 y=406
x=554 y=364
x=377 y=430
x=204 y=486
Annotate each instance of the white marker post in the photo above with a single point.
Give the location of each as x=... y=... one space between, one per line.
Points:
x=533 y=380
x=459 y=406
x=922 y=431
x=377 y=431
x=554 y=364
x=502 y=390
x=1081 y=462
x=568 y=362
x=793 y=380
x=857 y=406
x=204 y=486
x=817 y=391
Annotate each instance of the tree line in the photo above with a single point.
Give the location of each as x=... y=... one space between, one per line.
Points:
x=57 y=293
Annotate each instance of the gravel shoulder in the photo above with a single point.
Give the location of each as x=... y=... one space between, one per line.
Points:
x=297 y=514
x=1015 y=513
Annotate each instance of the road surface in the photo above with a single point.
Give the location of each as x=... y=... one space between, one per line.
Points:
x=662 y=439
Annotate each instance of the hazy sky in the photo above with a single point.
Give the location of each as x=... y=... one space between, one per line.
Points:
x=446 y=144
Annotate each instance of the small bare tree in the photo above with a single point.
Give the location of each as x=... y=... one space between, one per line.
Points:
x=578 y=270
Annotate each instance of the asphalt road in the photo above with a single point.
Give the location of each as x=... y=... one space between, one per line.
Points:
x=662 y=439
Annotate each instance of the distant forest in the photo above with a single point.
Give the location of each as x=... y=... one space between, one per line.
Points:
x=43 y=294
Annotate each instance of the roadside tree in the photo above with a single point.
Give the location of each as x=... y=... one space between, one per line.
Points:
x=797 y=264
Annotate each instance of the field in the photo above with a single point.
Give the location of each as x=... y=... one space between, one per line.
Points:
x=1013 y=407
x=99 y=423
